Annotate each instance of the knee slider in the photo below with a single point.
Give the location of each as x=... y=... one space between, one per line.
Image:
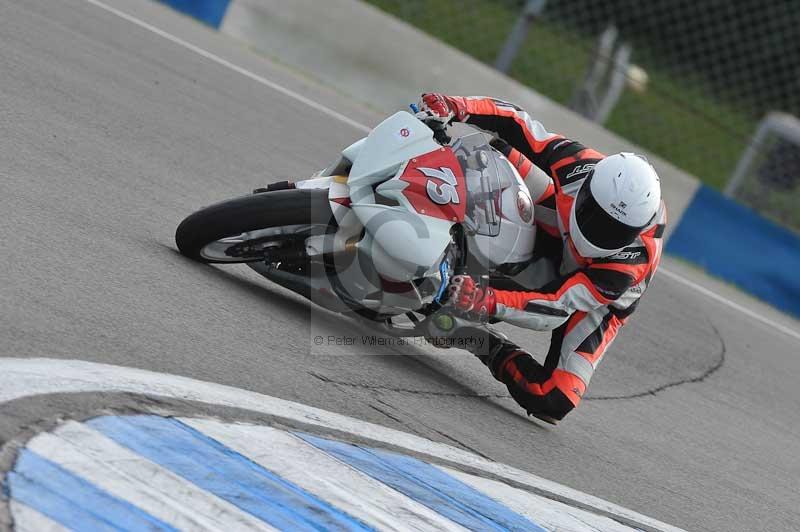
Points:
x=554 y=404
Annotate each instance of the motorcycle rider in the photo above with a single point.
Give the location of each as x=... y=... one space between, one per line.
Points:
x=600 y=223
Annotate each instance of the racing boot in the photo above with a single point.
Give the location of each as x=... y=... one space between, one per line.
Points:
x=494 y=349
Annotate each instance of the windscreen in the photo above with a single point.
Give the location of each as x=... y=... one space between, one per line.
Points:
x=484 y=194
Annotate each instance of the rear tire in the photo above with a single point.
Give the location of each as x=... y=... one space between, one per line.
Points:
x=249 y=213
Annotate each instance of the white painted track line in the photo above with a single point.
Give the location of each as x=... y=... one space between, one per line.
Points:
x=236 y=68
x=324 y=476
x=26 y=377
x=549 y=514
x=130 y=477
x=732 y=304
x=26 y=519
x=361 y=127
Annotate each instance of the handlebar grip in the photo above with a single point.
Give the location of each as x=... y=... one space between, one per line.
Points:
x=441 y=136
x=439 y=130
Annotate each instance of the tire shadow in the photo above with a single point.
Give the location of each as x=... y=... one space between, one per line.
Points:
x=393 y=359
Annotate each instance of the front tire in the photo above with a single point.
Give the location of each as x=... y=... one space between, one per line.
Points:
x=231 y=218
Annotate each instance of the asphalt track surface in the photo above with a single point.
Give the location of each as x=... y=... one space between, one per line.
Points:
x=110 y=135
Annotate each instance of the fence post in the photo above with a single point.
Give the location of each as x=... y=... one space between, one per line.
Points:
x=783 y=127
x=604 y=80
x=616 y=84
x=532 y=9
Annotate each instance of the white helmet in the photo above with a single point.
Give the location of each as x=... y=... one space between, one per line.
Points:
x=619 y=198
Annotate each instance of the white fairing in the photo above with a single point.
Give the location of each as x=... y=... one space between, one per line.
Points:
x=352 y=151
x=404 y=244
x=397 y=244
x=517 y=235
x=395 y=140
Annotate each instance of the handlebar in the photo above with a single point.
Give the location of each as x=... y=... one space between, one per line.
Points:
x=439 y=129
x=441 y=136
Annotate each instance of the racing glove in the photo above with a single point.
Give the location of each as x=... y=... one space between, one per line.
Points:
x=465 y=294
x=437 y=106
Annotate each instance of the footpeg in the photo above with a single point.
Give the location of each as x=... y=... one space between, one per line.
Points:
x=272 y=187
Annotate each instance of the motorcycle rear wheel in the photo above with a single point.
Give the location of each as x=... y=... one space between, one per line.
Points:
x=237 y=230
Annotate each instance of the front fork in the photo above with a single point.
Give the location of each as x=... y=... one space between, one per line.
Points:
x=450 y=327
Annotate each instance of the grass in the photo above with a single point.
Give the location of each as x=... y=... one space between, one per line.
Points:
x=675 y=118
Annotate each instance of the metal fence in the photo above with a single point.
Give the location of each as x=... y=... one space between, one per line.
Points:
x=689 y=80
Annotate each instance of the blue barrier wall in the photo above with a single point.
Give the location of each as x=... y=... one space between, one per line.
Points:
x=735 y=243
x=209 y=11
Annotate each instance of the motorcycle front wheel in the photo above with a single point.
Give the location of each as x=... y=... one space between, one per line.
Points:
x=245 y=229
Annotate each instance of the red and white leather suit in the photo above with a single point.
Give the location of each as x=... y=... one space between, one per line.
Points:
x=583 y=301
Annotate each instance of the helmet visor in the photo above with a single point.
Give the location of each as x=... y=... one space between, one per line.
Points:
x=597 y=226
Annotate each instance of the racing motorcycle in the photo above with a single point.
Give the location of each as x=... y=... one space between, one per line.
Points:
x=380 y=232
